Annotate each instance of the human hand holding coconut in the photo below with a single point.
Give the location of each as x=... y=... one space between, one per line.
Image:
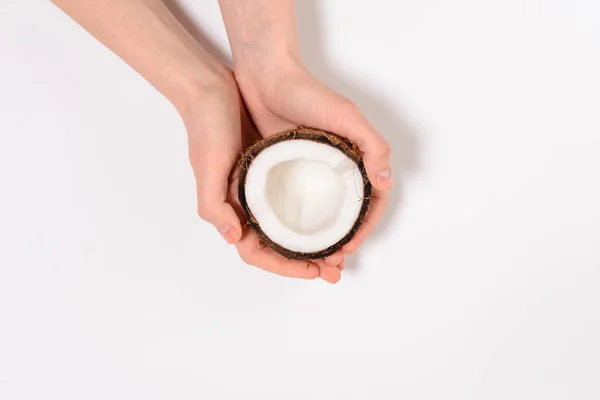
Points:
x=151 y=40
x=214 y=125
x=293 y=97
x=280 y=93
x=219 y=130
x=311 y=224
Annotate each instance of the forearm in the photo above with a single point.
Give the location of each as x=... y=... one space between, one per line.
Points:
x=262 y=33
x=147 y=36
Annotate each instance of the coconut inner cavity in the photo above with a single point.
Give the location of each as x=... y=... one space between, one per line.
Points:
x=305 y=195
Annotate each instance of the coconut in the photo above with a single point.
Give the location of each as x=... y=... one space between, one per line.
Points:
x=304 y=191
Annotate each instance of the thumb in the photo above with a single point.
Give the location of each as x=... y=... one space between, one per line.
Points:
x=320 y=107
x=351 y=123
x=212 y=184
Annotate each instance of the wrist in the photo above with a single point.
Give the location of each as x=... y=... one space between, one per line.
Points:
x=263 y=35
x=256 y=61
x=264 y=68
x=188 y=85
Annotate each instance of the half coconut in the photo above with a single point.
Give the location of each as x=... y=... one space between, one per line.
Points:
x=304 y=191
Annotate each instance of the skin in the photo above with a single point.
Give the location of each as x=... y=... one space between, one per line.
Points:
x=269 y=85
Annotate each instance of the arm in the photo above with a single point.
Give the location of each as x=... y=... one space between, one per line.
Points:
x=147 y=36
x=262 y=33
x=281 y=93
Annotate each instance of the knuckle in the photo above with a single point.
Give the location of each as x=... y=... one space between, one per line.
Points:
x=349 y=106
x=342 y=103
x=206 y=210
x=348 y=110
x=203 y=214
x=246 y=258
x=384 y=150
x=313 y=273
x=196 y=154
x=339 y=113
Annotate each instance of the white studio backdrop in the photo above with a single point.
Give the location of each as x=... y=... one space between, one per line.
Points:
x=482 y=283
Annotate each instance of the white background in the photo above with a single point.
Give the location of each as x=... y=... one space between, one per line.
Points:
x=483 y=282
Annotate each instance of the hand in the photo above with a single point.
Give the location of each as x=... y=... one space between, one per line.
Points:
x=280 y=92
x=288 y=95
x=151 y=40
x=218 y=131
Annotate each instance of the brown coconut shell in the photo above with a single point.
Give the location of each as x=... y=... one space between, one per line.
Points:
x=344 y=145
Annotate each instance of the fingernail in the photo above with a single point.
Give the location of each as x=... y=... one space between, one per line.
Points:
x=227 y=234
x=384 y=177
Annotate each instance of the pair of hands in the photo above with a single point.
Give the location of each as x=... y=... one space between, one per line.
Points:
x=218 y=122
x=269 y=86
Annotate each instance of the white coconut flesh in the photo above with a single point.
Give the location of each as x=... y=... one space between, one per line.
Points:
x=305 y=196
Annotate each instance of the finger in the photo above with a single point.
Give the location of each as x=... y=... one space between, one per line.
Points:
x=328 y=273
x=268 y=260
x=335 y=259
x=212 y=185
x=325 y=109
x=376 y=150
x=378 y=204
x=342 y=265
